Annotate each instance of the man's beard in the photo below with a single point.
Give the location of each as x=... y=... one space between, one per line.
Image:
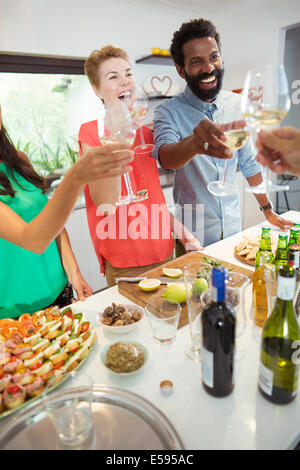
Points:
x=205 y=95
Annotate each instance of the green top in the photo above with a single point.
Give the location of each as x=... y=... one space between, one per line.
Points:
x=28 y=281
x=294 y=236
x=282 y=250
x=265 y=245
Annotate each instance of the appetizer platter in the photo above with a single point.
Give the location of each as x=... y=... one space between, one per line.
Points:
x=37 y=351
x=246 y=250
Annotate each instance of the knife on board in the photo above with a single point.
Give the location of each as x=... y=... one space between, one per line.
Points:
x=163 y=280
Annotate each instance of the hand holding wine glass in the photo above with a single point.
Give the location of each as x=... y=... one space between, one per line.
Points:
x=280 y=150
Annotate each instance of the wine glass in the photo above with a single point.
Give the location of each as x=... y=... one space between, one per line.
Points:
x=197 y=277
x=138 y=106
x=235 y=140
x=265 y=103
x=119 y=127
x=236 y=284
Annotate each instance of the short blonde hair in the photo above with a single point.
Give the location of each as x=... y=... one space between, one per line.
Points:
x=97 y=57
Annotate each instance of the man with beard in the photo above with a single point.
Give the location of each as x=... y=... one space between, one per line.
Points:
x=189 y=137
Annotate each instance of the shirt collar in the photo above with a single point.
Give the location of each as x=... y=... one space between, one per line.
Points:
x=202 y=106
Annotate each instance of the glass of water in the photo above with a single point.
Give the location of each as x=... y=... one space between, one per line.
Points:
x=197 y=278
x=73 y=418
x=163 y=316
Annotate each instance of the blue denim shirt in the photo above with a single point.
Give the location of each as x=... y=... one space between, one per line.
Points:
x=205 y=215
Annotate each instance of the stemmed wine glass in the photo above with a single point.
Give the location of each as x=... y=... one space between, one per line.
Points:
x=197 y=278
x=138 y=106
x=118 y=126
x=265 y=103
x=235 y=140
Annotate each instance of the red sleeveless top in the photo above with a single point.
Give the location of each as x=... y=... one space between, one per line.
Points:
x=137 y=234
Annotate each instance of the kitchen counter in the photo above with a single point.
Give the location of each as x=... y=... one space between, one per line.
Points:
x=243 y=420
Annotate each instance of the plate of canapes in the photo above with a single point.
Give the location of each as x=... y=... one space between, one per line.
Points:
x=37 y=351
x=246 y=250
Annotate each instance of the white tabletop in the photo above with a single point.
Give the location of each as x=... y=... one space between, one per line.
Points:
x=243 y=420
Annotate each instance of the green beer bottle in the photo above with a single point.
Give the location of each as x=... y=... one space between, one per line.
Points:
x=265 y=245
x=281 y=251
x=294 y=236
x=279 y=364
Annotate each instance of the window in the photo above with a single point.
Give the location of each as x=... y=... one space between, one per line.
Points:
x=44 y=101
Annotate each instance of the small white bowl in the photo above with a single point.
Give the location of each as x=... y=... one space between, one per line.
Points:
x=124 y=374
x=121 y=330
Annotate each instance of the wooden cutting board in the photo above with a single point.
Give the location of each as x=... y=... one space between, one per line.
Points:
x=132 y=291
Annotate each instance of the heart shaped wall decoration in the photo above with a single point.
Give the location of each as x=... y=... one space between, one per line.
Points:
x=161 y=85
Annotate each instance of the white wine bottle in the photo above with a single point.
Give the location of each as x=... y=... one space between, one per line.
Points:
x=279 y=368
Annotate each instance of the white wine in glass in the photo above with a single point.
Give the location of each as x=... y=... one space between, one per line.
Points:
x=265 y=103
x=266 y=120
x=119 y=127
x=138 y=105
x=235 y=140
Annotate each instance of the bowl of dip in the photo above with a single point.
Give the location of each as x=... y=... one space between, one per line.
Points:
x=124 y=358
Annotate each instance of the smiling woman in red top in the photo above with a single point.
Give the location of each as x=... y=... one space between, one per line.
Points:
x=135 y=237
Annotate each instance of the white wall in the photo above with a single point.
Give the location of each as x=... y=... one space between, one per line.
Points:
x=292 y=66
x=249 y=29
x=76 y=27
x=249 y=32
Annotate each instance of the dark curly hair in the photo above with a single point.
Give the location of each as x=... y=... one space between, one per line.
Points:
x=193 y=29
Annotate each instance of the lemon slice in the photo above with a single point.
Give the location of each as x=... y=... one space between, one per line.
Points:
x=172 y=272
x=149 y=284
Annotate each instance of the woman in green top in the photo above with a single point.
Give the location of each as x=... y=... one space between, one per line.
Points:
x=37 y=264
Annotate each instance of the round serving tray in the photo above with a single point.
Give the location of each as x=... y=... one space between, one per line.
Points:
x=243 y=259
x=122 y=421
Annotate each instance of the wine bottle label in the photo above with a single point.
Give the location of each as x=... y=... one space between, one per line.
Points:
x=265 y=379
x=207 y=361
x=286 y=288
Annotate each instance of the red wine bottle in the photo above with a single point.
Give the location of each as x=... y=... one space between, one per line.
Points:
x=218 y=340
